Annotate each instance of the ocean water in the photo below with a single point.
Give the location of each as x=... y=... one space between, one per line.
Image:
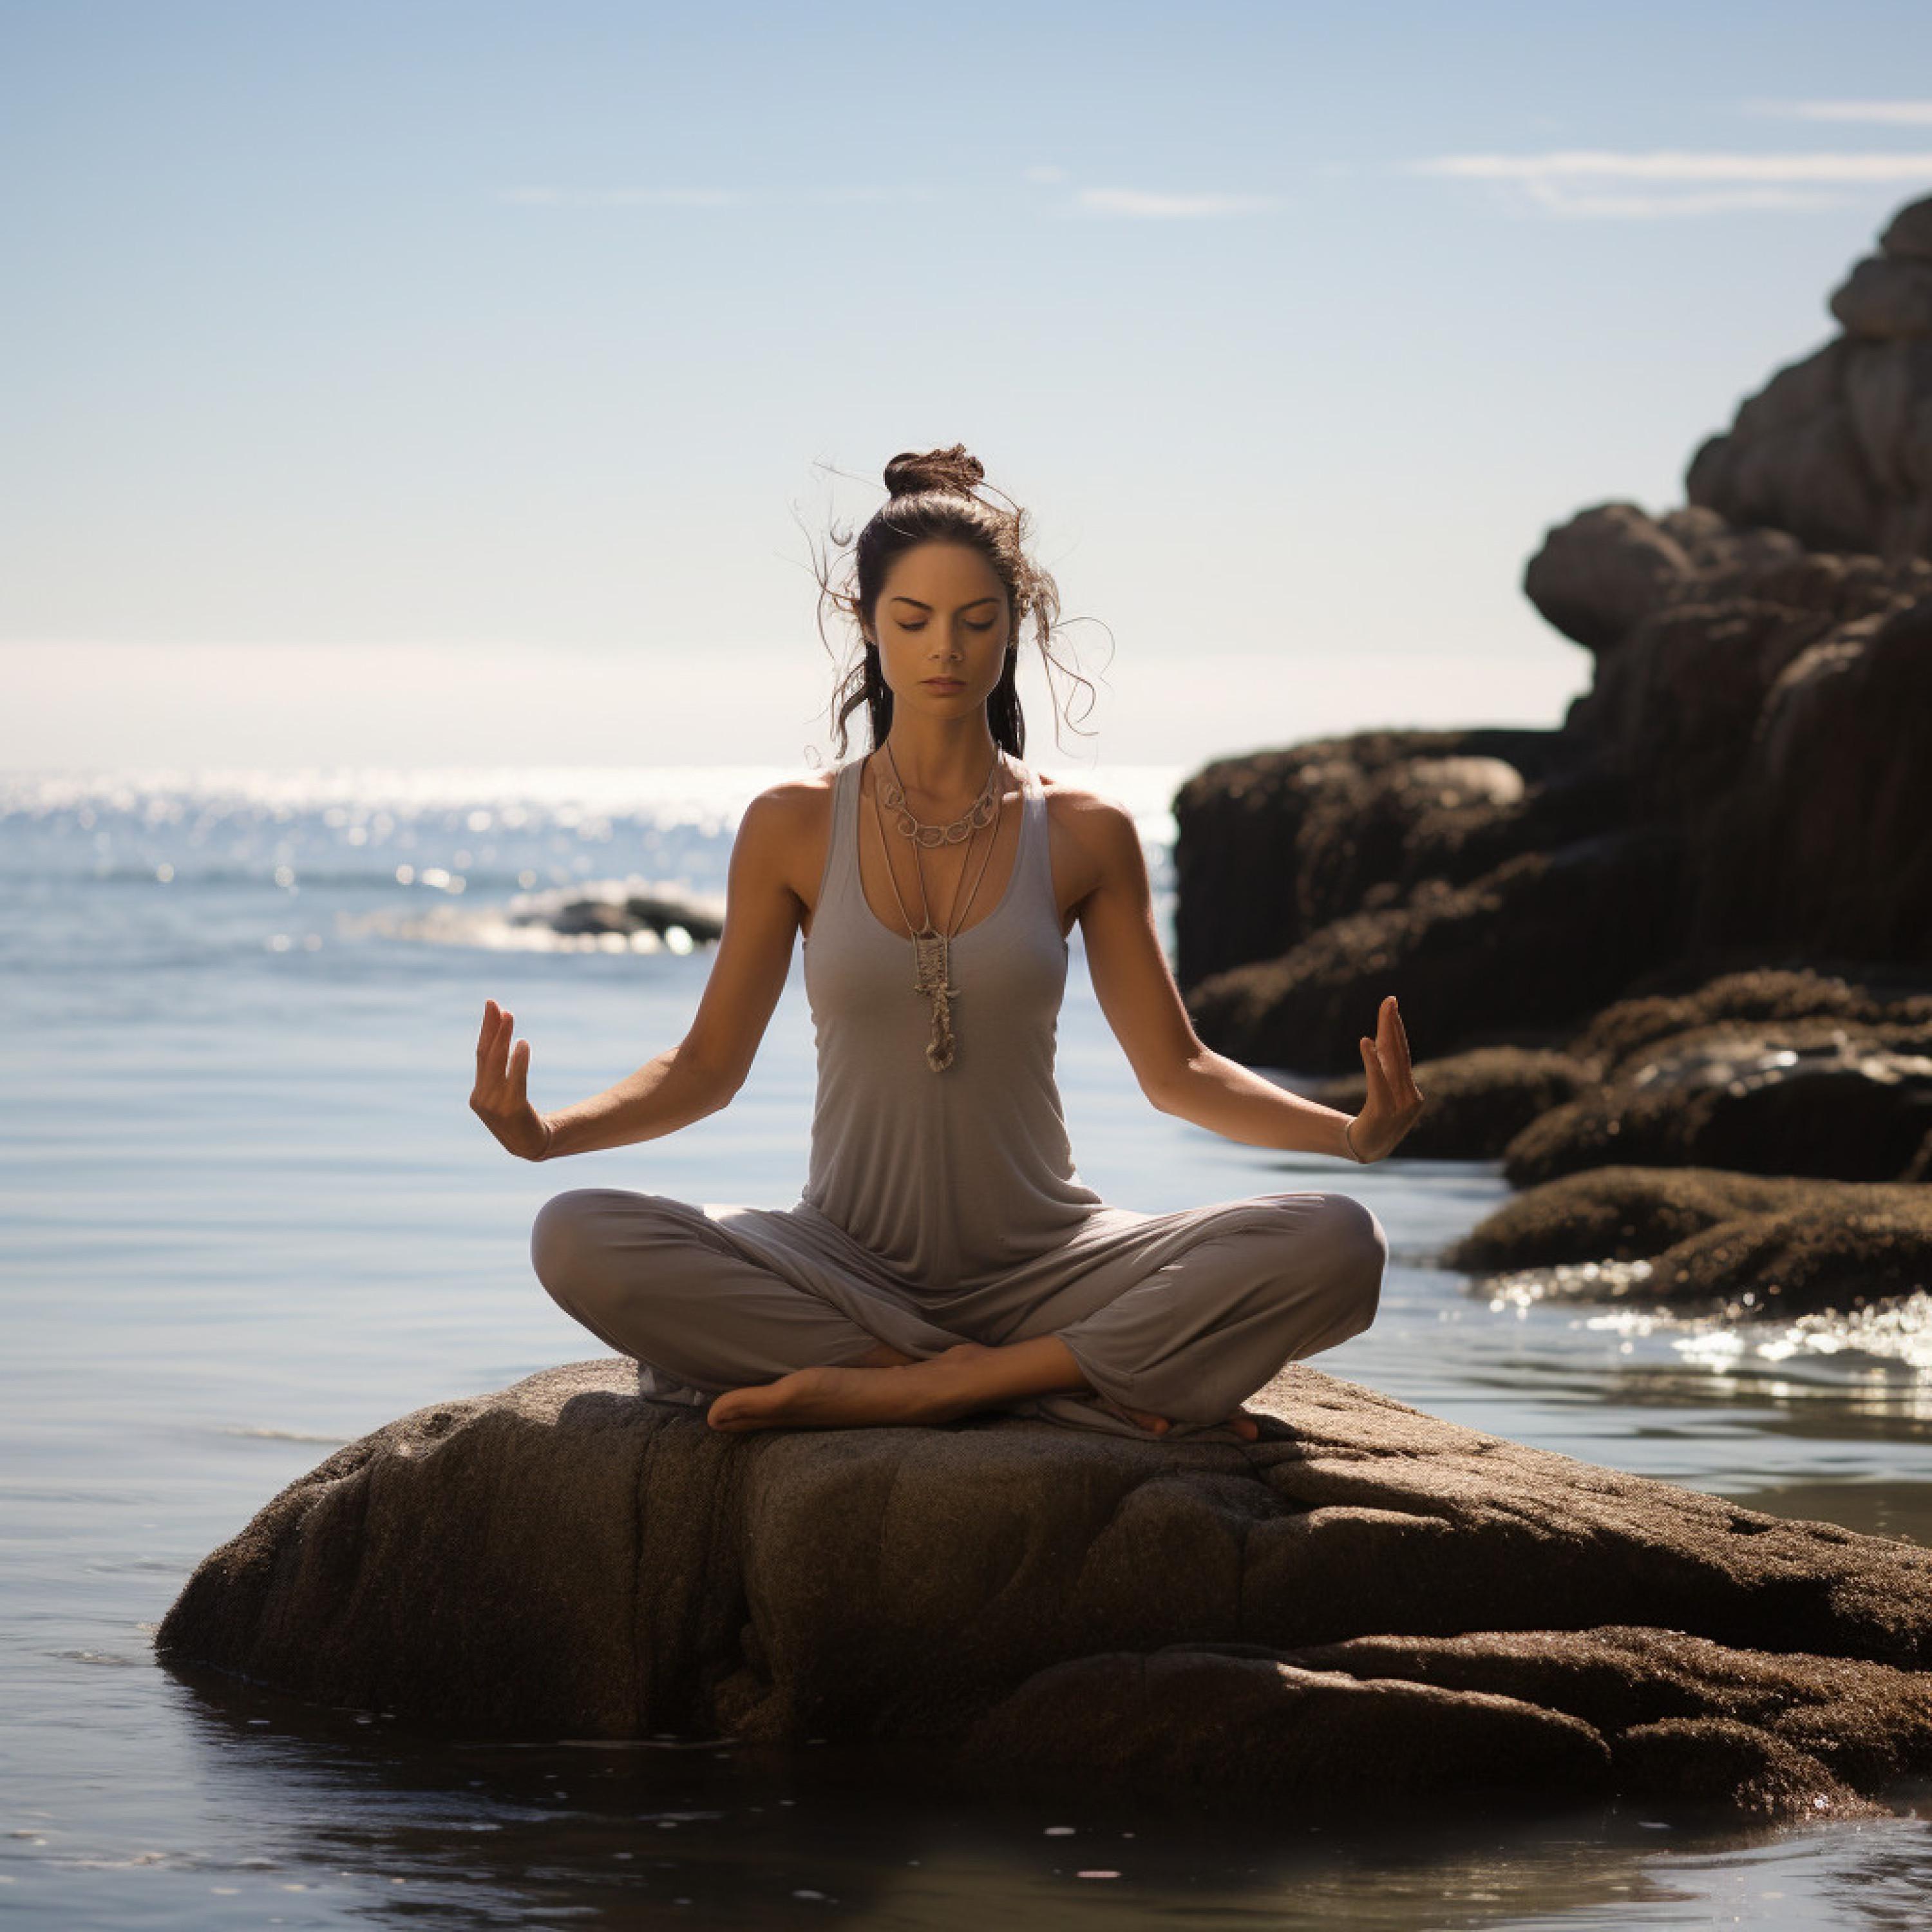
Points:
x=248 y=1216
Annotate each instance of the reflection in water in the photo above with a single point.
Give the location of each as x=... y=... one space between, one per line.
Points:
x=510 y=1834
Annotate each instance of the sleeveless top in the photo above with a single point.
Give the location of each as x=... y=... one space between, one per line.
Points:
x=949 y=1178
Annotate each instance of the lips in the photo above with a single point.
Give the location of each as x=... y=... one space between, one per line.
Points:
x=944 y=683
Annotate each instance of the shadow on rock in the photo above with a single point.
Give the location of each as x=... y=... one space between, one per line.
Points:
x=1373 y=1599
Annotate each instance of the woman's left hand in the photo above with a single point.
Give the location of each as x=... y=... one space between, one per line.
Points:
x=1393 y=1103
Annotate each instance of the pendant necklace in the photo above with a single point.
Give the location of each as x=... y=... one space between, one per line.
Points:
x=931 y=945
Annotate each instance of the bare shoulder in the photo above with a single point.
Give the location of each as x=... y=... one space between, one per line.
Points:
x=1087 y=817
x=783 y=828
x=796 y=800
x=1094 y=836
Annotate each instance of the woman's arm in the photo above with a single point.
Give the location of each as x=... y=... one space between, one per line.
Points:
x=701 y=1074
x=1177 y=1073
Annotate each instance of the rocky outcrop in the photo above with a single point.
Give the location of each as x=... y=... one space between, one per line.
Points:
x=683 y=918
x=1836 y=447
x=1744 y=782
x=1271 y=847
x=1765 y=1071
x=1806 y=1097
x=1711 y=1239
x=1368 y=1602
x=1515 y=955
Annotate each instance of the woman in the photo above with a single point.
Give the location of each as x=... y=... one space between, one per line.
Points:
x=944 y=1256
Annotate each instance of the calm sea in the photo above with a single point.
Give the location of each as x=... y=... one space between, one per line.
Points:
x=247 y=1216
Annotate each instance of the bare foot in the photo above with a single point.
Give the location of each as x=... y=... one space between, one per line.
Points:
x=843 y=1398
x=1241 y=1422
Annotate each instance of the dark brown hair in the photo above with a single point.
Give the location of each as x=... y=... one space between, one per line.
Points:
x=933 y=498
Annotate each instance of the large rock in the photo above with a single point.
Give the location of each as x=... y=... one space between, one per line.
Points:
x=1369 y=1601
x=1620 y=1039
x=1768 y=1071
x=1822 y=838
x=1600 y=577
x=1533 y=946
x=1747 y=1245
x=1836 y=447
x=1818 y=1096
x=1270 y=847
x=1747 y=770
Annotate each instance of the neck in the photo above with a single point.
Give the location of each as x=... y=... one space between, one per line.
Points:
x=941 y=761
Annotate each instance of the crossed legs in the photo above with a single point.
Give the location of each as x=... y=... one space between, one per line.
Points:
x=971 y=1376
x=1272 y=1280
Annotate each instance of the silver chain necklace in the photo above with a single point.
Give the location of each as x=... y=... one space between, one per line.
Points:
x=932 y=946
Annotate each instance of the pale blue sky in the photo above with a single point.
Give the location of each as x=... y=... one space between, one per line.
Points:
x=442 y=384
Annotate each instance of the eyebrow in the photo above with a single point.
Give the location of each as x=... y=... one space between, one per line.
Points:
x=991 y=597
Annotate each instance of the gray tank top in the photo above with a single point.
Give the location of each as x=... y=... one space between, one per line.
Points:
x=952 y=1178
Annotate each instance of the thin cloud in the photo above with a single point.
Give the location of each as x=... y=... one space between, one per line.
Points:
x=699 y=197
x=1893 y=113
x=1560 y=182
x=1562 y=201
x=622 y=197
x=1678 y=165
x=1139 y=205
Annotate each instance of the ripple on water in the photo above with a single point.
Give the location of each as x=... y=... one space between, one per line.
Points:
x=1896 y=1328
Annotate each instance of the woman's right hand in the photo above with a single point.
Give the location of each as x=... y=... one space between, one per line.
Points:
x=498 y=1100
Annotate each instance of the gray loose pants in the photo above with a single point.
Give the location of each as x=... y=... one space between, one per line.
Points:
x=1183 y=1315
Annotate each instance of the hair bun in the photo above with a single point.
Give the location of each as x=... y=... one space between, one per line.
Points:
x=956 y=471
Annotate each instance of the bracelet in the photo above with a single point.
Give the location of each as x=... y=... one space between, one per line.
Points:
x=1347 y=1135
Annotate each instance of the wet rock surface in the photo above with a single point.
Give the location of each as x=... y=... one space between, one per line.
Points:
x=1747 y=1244
x=1808 y=1097
x=1369 y=1592
x=1768 y=1072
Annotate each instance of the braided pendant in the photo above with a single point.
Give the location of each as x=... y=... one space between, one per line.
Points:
x=932 y=965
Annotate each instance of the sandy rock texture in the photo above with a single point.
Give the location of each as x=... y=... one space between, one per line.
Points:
x=1368 y=1602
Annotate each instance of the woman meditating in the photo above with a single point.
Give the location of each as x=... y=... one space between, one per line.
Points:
x=944 y=1256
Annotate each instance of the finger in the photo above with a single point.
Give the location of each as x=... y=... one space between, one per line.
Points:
x=1389 y=1035
x=1401 y=1042
x=1372 y=1066
x=498 y=1069
x=490 y=1048
x=1395 y=1047
x=520 y=1068
x=1392 y=1021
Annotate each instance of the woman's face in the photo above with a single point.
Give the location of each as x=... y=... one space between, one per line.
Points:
x=942 y=616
